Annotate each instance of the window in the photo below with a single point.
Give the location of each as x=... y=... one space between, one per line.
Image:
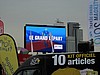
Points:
x=29 y=72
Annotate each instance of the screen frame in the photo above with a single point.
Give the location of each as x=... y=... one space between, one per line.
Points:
x=43 y=25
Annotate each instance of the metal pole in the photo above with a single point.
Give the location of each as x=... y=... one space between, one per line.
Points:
x=76 y=45
x=75 y=40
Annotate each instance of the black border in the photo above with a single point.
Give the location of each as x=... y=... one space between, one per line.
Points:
x=45 y=25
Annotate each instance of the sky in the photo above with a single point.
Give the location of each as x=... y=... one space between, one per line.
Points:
x=16 y=13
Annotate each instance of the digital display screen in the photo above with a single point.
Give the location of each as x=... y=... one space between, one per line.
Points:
x=45 y=38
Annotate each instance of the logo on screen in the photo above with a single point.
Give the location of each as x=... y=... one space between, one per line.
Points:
x=58 y=46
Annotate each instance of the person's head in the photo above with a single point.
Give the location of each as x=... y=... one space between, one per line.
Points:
x=67 y=71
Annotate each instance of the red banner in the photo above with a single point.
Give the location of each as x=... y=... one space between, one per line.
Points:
x=1 y=27
x=23 y=57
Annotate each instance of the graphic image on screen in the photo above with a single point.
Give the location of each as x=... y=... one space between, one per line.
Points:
x=45 y=38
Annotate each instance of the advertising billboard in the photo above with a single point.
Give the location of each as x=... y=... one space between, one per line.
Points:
x=45 y=38
x=62 y=64
x=75 y=64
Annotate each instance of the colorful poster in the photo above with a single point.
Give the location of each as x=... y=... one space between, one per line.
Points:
x=94 y=21
x=8 y=54
x=45 y=38
x=1 y=27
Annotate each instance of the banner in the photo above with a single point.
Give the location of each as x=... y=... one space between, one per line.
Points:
x=62 y=64
x=94 y=21
x=8 y=54
x=1 y=27
x=73 y=64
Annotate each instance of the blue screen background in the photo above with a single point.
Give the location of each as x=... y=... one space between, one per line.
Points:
x=55 y=31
